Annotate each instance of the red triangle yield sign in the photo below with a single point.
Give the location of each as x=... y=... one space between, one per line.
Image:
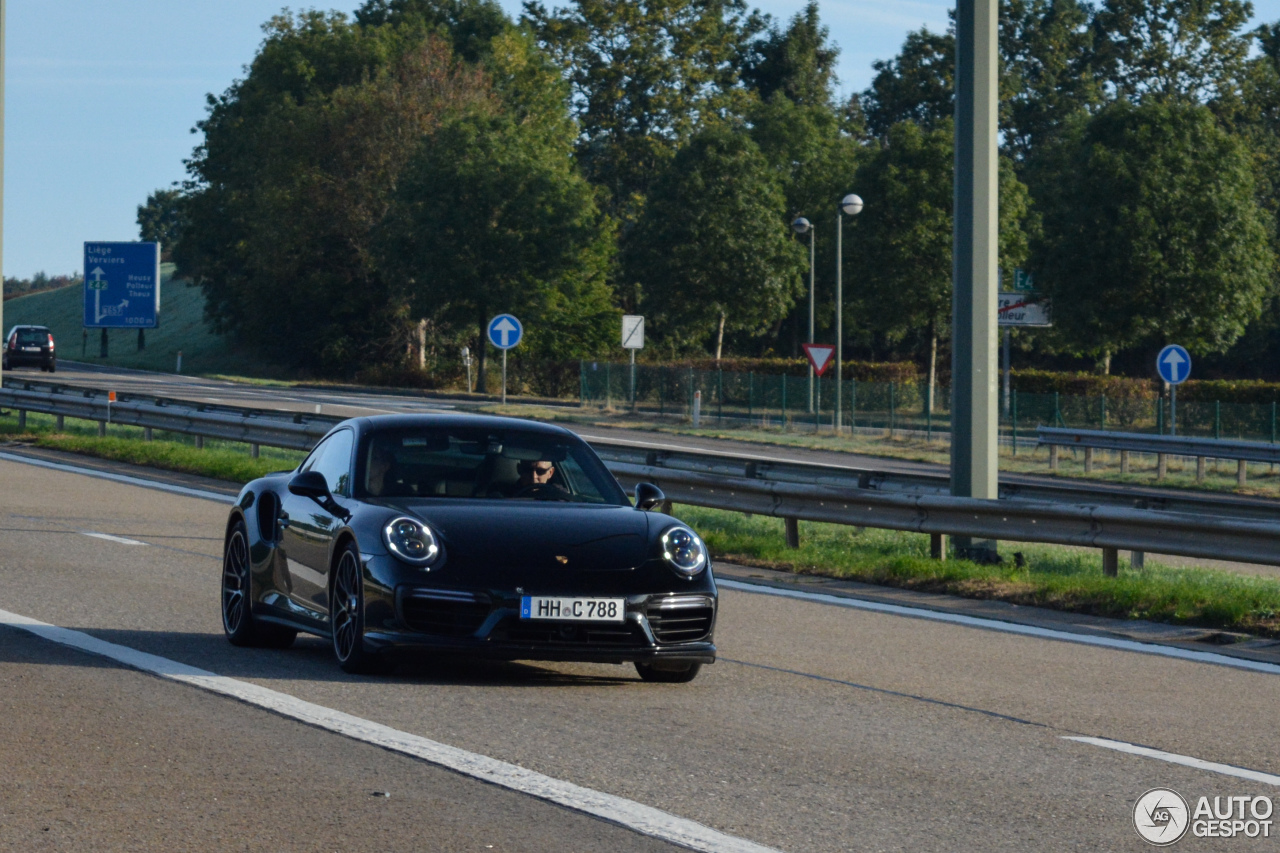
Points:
x=819 y=356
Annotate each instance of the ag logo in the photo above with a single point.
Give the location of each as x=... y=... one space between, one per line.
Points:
x=1161 y=816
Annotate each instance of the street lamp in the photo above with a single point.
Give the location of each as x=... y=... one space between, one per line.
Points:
x=850 y=205
x=803 y=226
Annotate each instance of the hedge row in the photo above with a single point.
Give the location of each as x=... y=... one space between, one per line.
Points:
x=863 y=371
x=1128 y=388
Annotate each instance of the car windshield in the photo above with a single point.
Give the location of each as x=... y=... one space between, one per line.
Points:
x=32 y=337
x=487 y=464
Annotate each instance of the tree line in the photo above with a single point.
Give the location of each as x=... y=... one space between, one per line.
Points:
x=386 y=181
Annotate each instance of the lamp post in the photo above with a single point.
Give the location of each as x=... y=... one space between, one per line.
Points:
x=803 y=226
x=850 y=205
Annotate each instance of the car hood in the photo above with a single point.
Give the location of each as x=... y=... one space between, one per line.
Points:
x=483 y=537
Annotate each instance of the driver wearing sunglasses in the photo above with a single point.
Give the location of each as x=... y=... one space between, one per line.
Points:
x=535 y=481
x=537 y=473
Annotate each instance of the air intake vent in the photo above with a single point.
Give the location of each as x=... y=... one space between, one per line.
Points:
x=443 y=613
x=681 y=619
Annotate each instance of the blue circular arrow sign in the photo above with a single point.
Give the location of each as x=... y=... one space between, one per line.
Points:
x=505 y=331
x=1174 y=364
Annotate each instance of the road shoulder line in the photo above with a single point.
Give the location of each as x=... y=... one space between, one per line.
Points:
x=643 y=819
x=1175 y=758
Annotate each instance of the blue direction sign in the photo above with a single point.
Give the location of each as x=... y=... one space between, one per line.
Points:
x=505 y=331
x=1174 y=364
x=121 y=285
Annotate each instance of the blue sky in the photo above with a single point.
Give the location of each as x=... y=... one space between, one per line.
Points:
x=101 y=98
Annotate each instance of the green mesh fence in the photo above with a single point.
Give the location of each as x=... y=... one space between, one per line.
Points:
x=731 y=398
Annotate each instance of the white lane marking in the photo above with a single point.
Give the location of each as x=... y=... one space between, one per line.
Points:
x=120 y=478
x=110 y=538
x=1185 y=760
x=636 y=816
x=1007 y=627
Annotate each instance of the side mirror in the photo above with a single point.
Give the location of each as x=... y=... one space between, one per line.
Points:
x=311 y=484
x=648 y=496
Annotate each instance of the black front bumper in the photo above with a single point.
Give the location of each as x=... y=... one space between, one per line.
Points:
x=663 y=626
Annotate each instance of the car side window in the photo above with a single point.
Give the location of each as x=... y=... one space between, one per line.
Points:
x=333 y=460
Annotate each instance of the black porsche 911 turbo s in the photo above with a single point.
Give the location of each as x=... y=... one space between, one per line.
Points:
x=487 y=536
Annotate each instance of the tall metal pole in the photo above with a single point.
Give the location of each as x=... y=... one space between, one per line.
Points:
x=811 y=307
x=2 y=41
x=839 y=312
x=974 y=463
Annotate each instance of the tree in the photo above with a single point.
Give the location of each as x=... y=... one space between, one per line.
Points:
x=1152 y=232
x=161 y=220
x=469 y=25
x=297 y=168
x=918 y=85
x=1049 y=69
x=901 y=245
x=797 y=63
x=1184 y=50
x=645 y=75
x=712 y=250
x=487 y=219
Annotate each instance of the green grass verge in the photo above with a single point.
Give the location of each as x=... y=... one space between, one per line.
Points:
x=1054 y=577
x=1058 y=578
x=221 y=460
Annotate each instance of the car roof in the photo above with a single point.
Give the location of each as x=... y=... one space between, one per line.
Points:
x=377 y=423
x=28 y=326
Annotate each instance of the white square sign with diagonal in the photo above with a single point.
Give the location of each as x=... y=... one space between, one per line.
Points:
x=632 y=331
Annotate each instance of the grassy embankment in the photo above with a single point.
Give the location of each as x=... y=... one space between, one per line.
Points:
x=182 y=327
x=1060 y=578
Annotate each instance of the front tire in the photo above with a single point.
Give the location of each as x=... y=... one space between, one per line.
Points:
x=241 y=628
x=668 y=673
x=346 y=614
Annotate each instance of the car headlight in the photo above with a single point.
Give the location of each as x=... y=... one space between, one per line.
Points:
x=684 y=551
x=411 y=541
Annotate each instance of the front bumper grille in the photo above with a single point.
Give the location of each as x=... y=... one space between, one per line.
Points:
x=443 y=612
x=681 y=618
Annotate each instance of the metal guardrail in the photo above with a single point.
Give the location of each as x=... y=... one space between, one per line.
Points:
x=789 y=490
x=1109 y=528
x=254 y=427
x=1013 y=487
x=1162 y=446
x=1173 y=445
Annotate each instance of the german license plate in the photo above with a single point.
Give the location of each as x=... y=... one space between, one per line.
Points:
x=31 y=349
x=573 y=609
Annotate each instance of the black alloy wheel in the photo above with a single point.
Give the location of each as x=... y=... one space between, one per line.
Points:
x=241 y=628
x=346 y=614
x=668 y=673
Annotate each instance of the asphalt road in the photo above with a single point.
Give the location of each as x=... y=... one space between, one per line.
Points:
x=821 y=728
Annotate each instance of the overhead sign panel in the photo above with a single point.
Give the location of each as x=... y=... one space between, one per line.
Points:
x=819 y=356
x=632 y=331
x=121 y=285
x=1023 y=309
